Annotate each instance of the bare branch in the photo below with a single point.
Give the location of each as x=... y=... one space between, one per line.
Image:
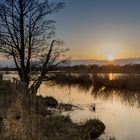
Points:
x=26 y=36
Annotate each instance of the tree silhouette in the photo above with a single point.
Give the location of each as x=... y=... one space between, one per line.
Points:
x=26 y=36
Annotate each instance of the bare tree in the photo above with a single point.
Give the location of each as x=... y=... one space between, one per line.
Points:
x=26 y=36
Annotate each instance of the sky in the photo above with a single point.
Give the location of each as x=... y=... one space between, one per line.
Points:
x=100 y=29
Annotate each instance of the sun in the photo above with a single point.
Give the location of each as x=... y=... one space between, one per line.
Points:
x=110 y=57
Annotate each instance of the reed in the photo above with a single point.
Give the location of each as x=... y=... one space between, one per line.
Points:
x=68 y=78
x=130 y=82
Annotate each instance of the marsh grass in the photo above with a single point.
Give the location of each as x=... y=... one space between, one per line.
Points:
x=127 y=82
x=64 y=78
x=5 y=88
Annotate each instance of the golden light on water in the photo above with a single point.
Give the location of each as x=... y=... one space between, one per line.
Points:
x=111 y=76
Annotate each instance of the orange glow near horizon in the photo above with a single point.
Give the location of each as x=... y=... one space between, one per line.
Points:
x=105 y=50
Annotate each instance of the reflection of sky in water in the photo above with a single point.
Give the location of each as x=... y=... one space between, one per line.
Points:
x=119 y=112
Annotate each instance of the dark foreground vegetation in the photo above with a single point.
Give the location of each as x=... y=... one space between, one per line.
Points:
x=33 y=118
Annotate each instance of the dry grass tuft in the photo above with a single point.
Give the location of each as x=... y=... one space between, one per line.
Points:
x=19 y=124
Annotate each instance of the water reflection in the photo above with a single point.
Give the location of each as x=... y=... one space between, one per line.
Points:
x=126 y=97
x=118 y=109
x=113 y=76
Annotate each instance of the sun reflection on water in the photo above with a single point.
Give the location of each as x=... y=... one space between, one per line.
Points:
x=111 y=76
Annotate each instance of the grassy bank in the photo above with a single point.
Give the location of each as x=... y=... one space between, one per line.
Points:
x=39 y=122
x=58 y=127
x=64 y=129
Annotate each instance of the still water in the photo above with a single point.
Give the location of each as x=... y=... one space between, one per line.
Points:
x=119 y=111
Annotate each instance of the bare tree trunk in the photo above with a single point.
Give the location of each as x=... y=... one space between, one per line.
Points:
x=24 y=32
x=44 y=71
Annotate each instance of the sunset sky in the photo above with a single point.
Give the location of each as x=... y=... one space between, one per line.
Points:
x=100 y=29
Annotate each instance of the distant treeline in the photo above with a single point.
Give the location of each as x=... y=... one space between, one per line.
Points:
x=129 y=68
x=135 y=68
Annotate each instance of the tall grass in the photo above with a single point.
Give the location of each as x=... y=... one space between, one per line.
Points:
x=68 y=78
x=130 y=82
